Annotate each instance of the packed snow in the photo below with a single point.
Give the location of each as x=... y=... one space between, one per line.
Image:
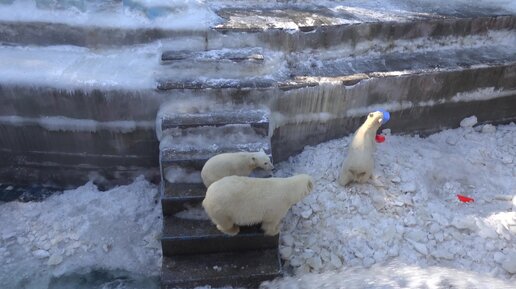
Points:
x=79 y=233
x=405 y=229
x=409 y=213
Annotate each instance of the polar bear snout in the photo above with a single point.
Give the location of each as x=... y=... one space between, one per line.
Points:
x=268 y=166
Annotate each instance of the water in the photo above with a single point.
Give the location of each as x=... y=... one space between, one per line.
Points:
x=102 y=279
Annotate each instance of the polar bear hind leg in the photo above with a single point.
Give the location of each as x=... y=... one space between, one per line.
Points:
x=345 y=177
x=362 y=177
x=270 y=228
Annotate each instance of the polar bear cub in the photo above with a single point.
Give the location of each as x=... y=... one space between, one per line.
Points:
x=239 y=201
x=234 y=164
x=359 y=163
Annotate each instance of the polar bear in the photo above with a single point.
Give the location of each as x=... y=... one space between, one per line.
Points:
x=359 y=163
x=240 y=201
x=234 y=164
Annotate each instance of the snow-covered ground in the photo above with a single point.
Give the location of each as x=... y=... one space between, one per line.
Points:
x=411 y=233
x=82 y=237
x=416 y=219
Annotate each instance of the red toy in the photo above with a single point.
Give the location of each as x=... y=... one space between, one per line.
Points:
x=379 y=138
x=465 y=199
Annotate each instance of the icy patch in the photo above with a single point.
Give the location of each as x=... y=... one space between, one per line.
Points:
x=176 y=174
x=174 y=14
x=78 y=230
x=61 y=123
x=482 y=94
x=193 y=213
x=415 y=217
x=69 y=67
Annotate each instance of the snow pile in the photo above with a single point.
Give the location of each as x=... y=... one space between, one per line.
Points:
x=392 y=275
x=415 y=217
x=79 y=231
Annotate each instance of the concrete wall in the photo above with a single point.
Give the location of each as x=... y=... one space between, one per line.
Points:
x=419 y=103
x=67 y=137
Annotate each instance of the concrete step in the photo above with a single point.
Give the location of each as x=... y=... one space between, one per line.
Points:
x=326 y=64
x=253 y=83
x=300 y=27
x=237 y=269
x=192 y=232
x=253 y=55
x=196 y=145
x=226 y=63
x=178 y=197
x=256 y=118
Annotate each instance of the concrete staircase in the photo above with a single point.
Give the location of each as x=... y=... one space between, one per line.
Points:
x=195 y=252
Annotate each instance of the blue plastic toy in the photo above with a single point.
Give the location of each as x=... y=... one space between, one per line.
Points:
x=386 y=116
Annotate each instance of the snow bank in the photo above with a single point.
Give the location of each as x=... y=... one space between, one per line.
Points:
x=392 y=275
x=416 y=217
x=79 y=231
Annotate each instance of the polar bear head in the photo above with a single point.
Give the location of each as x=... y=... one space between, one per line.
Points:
x=261 y=160
x=374 y=120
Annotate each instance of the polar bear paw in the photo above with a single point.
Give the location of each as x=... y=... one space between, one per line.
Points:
x=232 y=231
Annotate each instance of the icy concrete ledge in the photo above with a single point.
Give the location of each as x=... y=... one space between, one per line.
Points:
x=419 y=103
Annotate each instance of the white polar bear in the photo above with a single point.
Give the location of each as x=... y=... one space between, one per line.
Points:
x=240 y=201
x=234 y=164
x=359 y=163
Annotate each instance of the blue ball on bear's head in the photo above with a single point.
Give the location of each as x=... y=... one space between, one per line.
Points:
x=386 y=116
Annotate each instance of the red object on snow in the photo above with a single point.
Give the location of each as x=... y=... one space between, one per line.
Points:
x=379 y=138
x=465 y=199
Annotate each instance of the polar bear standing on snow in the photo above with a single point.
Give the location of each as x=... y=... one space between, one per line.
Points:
x=359 y=163
x=234 y=164
x=240 y=201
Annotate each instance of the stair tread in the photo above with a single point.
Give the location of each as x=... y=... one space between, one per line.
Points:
x=184 y=190
x=176 y=227
x=409 y=62
x=258 y=18
x=254 y=117
x=325 y=64
x=234 y=55
x=197 y=235
x=219 y=269
x=246 y=83
x=189 y=154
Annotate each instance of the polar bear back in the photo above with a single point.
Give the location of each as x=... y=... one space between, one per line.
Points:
x=250 y=201
x=227 y=164
x=234 y=164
